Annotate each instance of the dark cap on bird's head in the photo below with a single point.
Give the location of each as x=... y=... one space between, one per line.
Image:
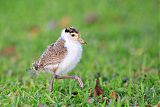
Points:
x=71 y=30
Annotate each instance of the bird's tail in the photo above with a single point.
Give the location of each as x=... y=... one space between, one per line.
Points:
x=35 y=66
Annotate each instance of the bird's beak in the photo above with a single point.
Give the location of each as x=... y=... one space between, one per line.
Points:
x=81 y=41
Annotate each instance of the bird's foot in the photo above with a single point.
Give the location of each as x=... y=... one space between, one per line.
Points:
x=79 y=81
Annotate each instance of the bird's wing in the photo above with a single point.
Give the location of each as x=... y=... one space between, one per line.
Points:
x=54 y=54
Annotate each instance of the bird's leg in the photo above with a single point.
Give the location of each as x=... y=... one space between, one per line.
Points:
x=71 y=77
x=51 y=84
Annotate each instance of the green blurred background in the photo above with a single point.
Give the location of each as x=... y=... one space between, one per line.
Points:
x=122 y=36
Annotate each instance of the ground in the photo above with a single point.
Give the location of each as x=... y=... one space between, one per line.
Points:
x=123 y=47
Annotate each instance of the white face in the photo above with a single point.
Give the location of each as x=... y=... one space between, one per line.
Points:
x=66 y=36
x=72 y=36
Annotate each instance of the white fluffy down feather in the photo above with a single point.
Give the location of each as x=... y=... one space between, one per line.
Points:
x=73 y=56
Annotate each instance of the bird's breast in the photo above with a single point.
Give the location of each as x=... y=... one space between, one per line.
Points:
x=72 y=57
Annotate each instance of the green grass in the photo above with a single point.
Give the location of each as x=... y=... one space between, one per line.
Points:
x=122 y=44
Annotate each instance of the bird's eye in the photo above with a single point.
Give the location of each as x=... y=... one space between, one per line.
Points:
x=72 y=35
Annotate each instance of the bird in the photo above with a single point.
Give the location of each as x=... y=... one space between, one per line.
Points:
x=62 y=56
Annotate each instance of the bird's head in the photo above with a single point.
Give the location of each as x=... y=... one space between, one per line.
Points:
x=72 y=35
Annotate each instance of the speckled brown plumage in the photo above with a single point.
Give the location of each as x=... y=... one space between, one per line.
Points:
x=53 y=55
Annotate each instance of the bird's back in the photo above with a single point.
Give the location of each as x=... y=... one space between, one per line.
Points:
x=53 y=55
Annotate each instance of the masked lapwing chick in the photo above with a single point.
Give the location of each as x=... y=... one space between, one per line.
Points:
x=62 y=56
